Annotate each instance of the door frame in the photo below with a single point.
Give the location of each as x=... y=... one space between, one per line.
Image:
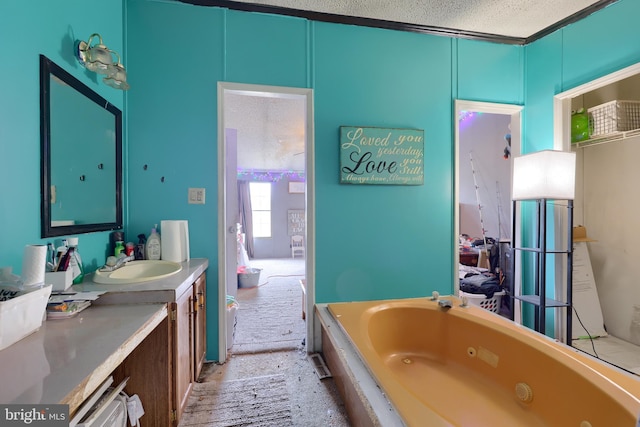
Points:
x=276 y=92
x=513 y=110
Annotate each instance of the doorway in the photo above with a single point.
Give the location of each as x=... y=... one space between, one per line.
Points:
x=604 y=304
x=243 y=110
x=487 y=137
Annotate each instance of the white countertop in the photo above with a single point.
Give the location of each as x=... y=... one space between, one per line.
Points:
x=67 y=359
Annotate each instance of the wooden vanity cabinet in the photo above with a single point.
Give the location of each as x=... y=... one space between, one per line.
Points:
x=188 y=324
x=164 y=366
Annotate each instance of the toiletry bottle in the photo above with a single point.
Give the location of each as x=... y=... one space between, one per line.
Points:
x=139 y=250
x=119 y=248
x=51 y=257
x=75 y=262
x=60 y=252
x=115 y=237
x=153 y=245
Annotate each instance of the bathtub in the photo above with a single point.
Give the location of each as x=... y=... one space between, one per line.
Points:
x=466 y=366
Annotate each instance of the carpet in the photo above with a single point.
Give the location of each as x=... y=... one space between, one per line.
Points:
x=269 y=316
x=257 y=401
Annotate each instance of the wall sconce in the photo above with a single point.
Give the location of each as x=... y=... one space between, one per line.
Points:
x=99 y=58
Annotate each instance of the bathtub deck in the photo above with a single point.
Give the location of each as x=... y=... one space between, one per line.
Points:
x=366 y=403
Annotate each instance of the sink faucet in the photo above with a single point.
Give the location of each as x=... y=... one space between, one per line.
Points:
x=114 y=263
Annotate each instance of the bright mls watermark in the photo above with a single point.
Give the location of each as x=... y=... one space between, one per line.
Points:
x=34 y=415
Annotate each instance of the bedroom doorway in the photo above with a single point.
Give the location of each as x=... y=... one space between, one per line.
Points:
x=487 y=137
x=231 y=138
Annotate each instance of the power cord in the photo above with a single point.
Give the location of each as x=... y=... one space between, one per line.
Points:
x=280 y=275
x=593 y=346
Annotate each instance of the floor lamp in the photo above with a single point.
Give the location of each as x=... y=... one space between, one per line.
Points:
x=540 y=177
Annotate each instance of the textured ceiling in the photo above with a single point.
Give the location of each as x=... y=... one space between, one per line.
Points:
x=507 y=18
x=270 y=131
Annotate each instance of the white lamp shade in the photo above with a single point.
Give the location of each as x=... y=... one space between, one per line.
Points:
x=546 y=174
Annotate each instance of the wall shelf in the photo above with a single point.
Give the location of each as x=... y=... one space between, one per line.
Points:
x=535 y=299
x=604 y=139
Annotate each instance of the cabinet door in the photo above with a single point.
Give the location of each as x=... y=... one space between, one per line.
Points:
x=200 y=324
x=183 y=350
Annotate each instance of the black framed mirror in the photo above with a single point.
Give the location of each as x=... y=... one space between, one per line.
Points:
x=80 y=158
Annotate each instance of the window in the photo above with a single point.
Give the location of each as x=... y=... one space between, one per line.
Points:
x=260 y=193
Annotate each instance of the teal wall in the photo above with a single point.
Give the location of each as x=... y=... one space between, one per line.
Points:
x=28 y=29
x=372 y=241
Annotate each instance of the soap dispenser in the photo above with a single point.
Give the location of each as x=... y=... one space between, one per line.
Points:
x=152 y=250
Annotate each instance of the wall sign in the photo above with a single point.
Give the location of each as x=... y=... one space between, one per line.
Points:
x=295 y=221
x=371 y=155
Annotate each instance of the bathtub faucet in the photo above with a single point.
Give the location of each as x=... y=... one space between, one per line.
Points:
x=445 y=304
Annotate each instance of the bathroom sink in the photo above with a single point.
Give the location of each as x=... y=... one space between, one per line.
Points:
x=138 y=271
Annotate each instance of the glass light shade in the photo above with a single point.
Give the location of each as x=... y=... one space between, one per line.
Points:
x=117 y=80
x=99 y=60
x=546 y=174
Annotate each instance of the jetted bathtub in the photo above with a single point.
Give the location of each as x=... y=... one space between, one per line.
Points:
x=466 y=366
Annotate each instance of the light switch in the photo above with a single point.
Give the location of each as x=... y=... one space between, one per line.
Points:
x=196 y=196
x=53 y=194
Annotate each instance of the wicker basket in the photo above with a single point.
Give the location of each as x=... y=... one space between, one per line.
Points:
x=614 y=116
x=480 y=300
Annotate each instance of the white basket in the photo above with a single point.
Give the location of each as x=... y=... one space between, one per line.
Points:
x=614 y=116
x=22 y=315
x=480 y=300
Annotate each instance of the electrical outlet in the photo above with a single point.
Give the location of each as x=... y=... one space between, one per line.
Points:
x=196 y=196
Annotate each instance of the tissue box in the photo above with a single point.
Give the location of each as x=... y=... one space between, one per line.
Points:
x=22 y=315
x=61 y=280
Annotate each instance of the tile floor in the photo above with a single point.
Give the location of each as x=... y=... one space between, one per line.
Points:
x=614 y=350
